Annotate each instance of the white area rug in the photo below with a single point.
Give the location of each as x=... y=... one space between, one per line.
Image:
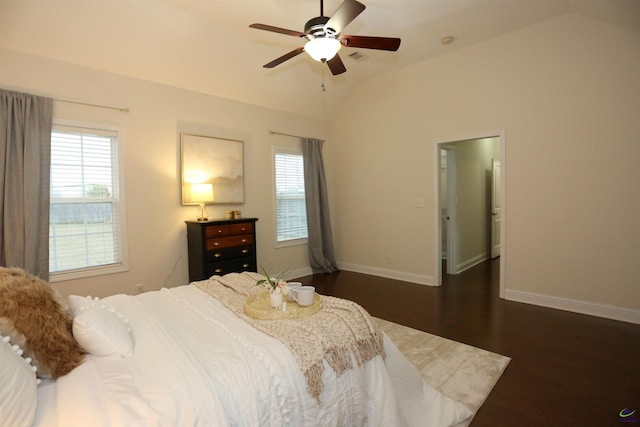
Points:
x=462 y=372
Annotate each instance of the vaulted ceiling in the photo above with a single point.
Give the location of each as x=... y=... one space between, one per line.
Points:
x=207 y=45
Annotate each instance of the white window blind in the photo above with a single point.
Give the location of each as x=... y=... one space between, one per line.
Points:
x=291 y=211
x=85 y=222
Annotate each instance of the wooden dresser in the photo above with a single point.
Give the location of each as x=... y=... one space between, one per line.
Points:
x=221 y=247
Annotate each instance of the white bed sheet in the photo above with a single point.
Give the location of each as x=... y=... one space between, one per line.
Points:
x=197 y=364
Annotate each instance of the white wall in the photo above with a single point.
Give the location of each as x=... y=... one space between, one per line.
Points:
x=564 y=91
x=155 y=216
x=566 y=94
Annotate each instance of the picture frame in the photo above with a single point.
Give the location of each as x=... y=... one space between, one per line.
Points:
x=211 y=160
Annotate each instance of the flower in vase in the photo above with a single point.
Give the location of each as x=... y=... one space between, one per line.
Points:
x=275 y=285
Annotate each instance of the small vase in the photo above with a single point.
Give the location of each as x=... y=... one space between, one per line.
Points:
x=276 y=299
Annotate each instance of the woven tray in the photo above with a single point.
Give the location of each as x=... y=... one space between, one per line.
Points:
x=259 y=307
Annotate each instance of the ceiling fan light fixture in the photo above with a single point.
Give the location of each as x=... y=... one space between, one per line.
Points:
x=323 y=36
x=322 y=48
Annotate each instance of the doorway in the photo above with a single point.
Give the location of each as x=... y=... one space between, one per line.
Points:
x=470 y=182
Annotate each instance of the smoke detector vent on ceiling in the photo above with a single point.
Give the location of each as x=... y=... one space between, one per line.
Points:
x=447 y=40
x=357 y=56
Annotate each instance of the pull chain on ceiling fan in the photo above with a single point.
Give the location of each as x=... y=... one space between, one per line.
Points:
x=324 y=39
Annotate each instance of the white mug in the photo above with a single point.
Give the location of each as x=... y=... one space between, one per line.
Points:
x=292 y=286
x=304 y=295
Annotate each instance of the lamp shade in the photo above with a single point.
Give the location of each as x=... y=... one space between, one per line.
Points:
x=322 y=48
x=202 y=193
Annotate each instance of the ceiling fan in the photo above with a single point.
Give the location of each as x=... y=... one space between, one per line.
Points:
x=324 y=39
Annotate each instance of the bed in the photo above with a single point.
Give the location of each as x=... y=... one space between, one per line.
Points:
x=184 y=356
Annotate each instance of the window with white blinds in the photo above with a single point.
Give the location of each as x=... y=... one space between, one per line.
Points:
x=86 y=221
x=291 y=210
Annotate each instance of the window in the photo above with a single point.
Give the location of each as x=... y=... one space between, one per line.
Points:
x=291 y=210
x=86 y=226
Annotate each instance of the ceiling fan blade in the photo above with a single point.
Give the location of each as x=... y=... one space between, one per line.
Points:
x=277 y=30
x=345 y=13
x=284 y=57
x=336 y=65
x=366 y=42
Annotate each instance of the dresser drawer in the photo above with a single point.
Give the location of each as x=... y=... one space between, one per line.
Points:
x=229 y=229
x=231 y=266
x=229 y=241
x=217 y=230
x=235 y=252
x=245 y=228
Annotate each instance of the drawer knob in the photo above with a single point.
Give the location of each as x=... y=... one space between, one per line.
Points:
x=218 y=270
x=244 y=240
x=245 y=251
x=216 y=244
x=245 y=265
x=217 y=255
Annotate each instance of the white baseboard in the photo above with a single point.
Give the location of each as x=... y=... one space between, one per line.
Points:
x=576 y=306
x=471 y=262
x=389 y=274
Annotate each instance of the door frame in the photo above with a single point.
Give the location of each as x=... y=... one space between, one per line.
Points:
x=496 y=212
x=441 y=144
x=452 y=215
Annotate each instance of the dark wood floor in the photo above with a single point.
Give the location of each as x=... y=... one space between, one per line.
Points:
x=567 y=369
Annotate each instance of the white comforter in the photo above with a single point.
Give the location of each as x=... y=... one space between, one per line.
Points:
x=197 y=364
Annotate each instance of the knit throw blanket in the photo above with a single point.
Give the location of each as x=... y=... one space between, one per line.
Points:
x=341 y=332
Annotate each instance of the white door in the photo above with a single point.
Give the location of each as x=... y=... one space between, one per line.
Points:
x=443 y=202
x=496 y=201
x=452 y=213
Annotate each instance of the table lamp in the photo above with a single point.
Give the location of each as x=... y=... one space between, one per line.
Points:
x=202 y=194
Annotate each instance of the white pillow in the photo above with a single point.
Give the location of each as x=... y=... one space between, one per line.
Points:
x=102 y=331
x=77 y=303
x=18 y=387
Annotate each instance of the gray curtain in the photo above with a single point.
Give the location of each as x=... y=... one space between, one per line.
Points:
x=25 y=158
x=321 y=254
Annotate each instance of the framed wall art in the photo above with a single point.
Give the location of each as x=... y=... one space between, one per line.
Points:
x=211 y=160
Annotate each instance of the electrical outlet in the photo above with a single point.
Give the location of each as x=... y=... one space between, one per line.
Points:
x=140 y=288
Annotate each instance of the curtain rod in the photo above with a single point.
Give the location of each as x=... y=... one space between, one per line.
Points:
x=288 y=134
x=68 y=101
